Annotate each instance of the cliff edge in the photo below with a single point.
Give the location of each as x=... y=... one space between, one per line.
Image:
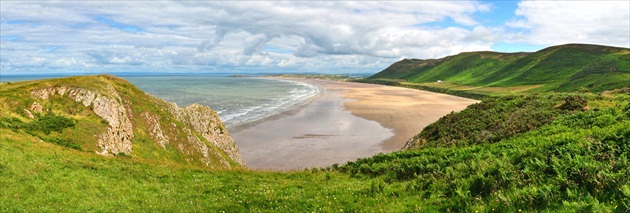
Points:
x=109 y=116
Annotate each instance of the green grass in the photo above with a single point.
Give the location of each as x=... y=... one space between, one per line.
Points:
x=565 y=68
x=577 y=162
x=39 y=176
x=551 y=152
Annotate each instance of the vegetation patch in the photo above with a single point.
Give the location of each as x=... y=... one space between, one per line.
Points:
x=498 y=118
x=51 y=123
x=576 y=162
x=564 y=68
x=46 y=125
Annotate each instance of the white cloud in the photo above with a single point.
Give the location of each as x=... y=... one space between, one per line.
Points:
x=557 y=22
x=330 y=36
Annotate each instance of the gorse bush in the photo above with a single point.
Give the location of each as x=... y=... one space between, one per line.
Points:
x=46 y=125
x=493 y=120
x=573 y=102
x=51 y=123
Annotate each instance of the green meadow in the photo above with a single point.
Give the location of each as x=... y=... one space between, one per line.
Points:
x=564 y=68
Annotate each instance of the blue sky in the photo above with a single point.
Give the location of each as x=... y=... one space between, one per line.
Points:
x=287 y=36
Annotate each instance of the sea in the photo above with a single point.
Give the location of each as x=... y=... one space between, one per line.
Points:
x=237 y=100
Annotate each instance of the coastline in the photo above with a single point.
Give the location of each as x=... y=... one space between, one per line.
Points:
x=345 y=122
x=406 y=111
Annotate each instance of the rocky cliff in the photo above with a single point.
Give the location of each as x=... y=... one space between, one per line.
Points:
x=119 y=133
x=114 y=118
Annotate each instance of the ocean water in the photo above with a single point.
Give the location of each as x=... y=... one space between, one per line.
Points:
x=237 y=100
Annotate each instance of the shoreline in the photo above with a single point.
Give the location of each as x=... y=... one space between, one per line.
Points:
x=406 y=111
x=289 y=112
x=346 y=121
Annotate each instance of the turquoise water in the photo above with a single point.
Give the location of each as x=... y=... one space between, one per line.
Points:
x=237 y=100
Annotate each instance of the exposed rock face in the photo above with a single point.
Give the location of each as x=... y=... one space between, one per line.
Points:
x=36 y=107
x=120 y=133
x=28 y=113
x=155 y=131
x=202 y=120
x=207 y=123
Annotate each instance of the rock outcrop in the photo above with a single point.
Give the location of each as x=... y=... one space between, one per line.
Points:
x=120 y=132
x=155 y=129
x=207 y=123
x=135 y=119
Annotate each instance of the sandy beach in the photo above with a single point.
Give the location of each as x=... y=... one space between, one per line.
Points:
x=347 y=121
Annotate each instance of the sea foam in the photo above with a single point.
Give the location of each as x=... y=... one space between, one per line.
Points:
x=298 y=96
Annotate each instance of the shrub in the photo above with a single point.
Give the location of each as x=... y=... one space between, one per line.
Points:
x=50 y=123
x=573 y=103
x=490 y=121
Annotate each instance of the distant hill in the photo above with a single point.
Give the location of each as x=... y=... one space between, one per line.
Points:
x=564 y=68
x=109 y=116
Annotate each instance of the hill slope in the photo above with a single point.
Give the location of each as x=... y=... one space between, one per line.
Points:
x=564 y=68
x=109 y=116
x=577 y=163
x=481 y=159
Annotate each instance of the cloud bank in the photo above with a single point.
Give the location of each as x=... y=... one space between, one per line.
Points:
x=283 y=36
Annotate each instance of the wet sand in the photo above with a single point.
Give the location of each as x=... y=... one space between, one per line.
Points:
x=347 y=121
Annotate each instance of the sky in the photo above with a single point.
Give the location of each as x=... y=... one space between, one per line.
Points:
x=287 y=36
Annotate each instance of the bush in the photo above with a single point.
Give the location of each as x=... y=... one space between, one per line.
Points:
x=573 y=103
x=490 y=121
x=50 y=123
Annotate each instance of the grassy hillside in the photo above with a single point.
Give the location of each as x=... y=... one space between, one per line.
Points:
x=569 y=153
x=63 y=119
x=565 y=68
x=575 y=162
